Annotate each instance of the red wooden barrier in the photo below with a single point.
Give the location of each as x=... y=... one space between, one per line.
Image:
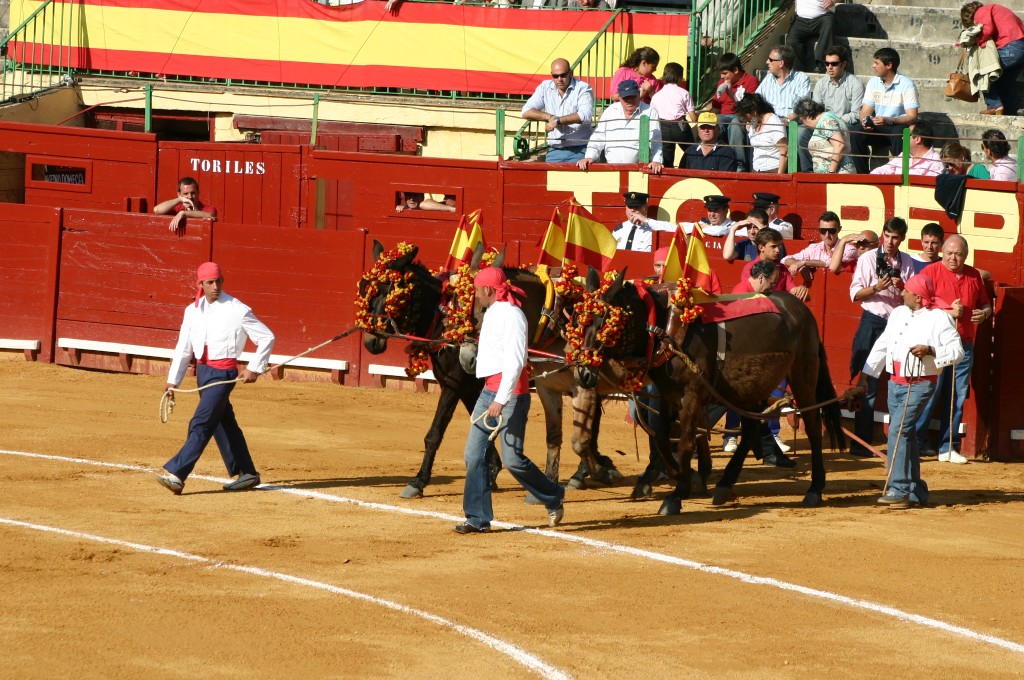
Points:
x=248 y=183
x=29 y=257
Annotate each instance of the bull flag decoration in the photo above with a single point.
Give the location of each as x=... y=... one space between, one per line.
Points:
x=552 y=245
x=587 y=241
x=468 y=235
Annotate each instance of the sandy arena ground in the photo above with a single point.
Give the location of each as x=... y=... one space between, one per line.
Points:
x=329 y=573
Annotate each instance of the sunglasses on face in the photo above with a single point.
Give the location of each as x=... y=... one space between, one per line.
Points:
x=706 y=127
x=561 y=75
x=773 y=59
x=866 y=244
x=828 y=231
x=833 y=63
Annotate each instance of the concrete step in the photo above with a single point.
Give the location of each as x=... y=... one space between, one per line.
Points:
x=931 y=92
x=884 y=22
x=916 y=4
x=918 y=59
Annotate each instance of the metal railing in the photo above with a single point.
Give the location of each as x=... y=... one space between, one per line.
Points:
x=595 y=66
x=37 y=54
x=721 y=26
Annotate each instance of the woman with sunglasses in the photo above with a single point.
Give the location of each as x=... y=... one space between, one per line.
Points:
x=956 y=160
x=829 y=143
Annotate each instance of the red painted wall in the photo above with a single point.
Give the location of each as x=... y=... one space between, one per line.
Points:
x=125 y=278
x=29 y=257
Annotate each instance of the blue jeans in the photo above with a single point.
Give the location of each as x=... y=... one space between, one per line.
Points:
x=906 y=403
x=566 y=155
x=476 y=501
x=214 y=419
x=1004 y=90
x=960 y=377
x=735 y=135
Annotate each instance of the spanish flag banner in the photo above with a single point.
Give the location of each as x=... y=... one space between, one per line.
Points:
x=468 y=235
x=673 y=270
x=697 y=267
x=552 y=245
x=587 y=241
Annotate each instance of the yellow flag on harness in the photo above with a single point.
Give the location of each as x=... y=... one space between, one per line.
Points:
x=552 y=245
x=587 y=241
x=468 y=235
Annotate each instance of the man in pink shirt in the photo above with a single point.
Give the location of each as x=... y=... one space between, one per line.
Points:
x=961 y=285
x=878 y=286
x=819 y=255
x=924 y=160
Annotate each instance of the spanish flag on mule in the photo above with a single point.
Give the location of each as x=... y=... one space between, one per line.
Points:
x=695 y=267
x=587 y=241
x=468 y=235
x=552 y=245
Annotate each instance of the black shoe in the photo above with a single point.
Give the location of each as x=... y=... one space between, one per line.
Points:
x=860 y=452
x=778 y=459
x=467 y=528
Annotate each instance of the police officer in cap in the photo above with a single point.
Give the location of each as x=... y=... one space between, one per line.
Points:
x=717 y=221
x=770 y=204
x=636 y=231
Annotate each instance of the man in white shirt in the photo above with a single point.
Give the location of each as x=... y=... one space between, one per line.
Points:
x=503 y=406
x=924 y=159
x=917 y=343
x=214 y=331
x=636 y=232
x=566 y=106
x=617 y=134
x=717 y=221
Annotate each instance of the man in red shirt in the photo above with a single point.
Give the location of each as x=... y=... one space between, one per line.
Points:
x=961 y=284
x=763 y=278
x=769 y=242
x=734 y=83
x=185 y=204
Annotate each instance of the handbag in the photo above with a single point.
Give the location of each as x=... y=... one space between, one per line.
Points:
x=958 y=86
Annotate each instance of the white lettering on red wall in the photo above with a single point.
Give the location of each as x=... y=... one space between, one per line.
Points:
x=228 y=167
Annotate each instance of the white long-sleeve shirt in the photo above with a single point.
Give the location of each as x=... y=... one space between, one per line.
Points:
x=502 y=347
x=907 y=328
x=221 y=329
x=618 y=137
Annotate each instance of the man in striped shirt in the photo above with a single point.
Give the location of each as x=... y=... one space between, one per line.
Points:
x=890 y=106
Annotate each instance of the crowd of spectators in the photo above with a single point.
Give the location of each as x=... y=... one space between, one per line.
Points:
x=846 y=125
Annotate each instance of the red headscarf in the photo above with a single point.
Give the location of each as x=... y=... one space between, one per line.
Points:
x=924 y=287
x=206 y=272
x=494 y=277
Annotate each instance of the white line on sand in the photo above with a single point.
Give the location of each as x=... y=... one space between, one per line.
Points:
x=518 y=655
x=744 y=577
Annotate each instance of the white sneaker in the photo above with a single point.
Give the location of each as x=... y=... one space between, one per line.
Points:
x=783 y=446
x=955 y=457
x=730 y=445
x=944 y=457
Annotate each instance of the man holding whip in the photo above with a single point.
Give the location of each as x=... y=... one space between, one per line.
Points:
x=214 y=330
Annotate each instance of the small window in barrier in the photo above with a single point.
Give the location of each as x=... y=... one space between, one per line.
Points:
x=412 y=200
x=60 y=174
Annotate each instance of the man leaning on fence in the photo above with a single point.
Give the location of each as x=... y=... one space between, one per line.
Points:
x=617 y=134
x=565 y=105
